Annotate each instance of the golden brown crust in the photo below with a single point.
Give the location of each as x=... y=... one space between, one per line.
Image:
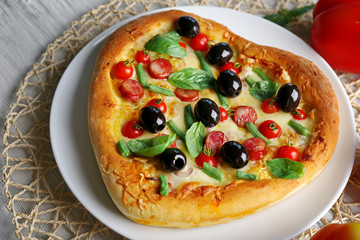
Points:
x=128 y=182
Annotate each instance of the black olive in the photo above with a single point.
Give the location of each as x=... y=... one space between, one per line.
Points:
x=219 y=54
x=208 y=112
x=152 y=119
x=173 y=159
x=288 y=97
x=187 y=26
x=229 y=84
x=235 y=154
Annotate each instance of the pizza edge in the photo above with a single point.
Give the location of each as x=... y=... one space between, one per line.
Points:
x=138 y=198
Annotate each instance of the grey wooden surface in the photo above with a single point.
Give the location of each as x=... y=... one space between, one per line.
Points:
x=26 y=28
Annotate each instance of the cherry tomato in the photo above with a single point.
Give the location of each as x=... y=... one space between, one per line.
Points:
x=323 y=5
x=270 y=106
x=335 y=35
x=142 y=57
x=199 y=43
x=131 y=90
x=235 y=67
x=335 y=231
x=132 y=129
x=256 y=148
x=270 y=129
x=287 y=152
x=243 y=115
x=157 y=102
x=298 y=114
x=183 y=45
x=123 y=70
x=186 y=95
x=160 y=68
x=223 y=114
x=202 y=157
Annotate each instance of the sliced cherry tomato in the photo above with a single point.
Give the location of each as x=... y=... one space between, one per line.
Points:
x=142 y=57
x=243 y=115
x=157 y=102
x=223 y=114
x=235 y=67
x=186 y=95
x=298 y=114
x=132 y=129
x=256 y=148
x=270 y=106
x=270 y=129
x=287 y=152
x=202 y=157
x=160 y=68
x=199 y=43
x=214 y=141
x=131 y=90
x=123 y=70
x=183 y=45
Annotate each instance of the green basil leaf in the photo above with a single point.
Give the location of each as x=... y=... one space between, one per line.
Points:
x=286 y=16
x=286 y=168
x=279 y=19
x=299 y=11
x=173 y=35
x=191 y=78
x=151 y=147
x=245 y=175
x=263 y=90
x=166 y=44
x=194 y=139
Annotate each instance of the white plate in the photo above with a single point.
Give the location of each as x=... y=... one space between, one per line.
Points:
x=73 y=152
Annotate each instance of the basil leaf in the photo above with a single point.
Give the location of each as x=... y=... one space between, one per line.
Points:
x=151 y=147
x=194 y=139
x=286 y=168
x=191 y=78
x=263 y=90
x=286 y=16
x=245 y=175
x=167 y=44
x=173 y=35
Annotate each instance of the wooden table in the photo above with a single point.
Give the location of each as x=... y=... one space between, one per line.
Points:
x=26 y=28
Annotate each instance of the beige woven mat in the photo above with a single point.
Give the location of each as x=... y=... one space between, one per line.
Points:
x=39 y=199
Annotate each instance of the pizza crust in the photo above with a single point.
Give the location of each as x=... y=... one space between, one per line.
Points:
x=129 y=181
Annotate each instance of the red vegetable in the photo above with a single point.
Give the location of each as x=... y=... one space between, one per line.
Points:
x=270 y=106
x=335 y=33
x=123 y=70
x=183 y=45
x=199 y=42
x=203 y=157
x=132 y=129
x=223 y=114
x=270 y=129
x=235 y=67
x=157 y=102
x=141 y=57
x=335 y=231
x=287 y=152
x=298 y=114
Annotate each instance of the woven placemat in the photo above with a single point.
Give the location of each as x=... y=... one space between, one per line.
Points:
x=39 y=199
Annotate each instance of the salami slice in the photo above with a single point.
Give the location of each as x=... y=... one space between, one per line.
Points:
x=243 y=115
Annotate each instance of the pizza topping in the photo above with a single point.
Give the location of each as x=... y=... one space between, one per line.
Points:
x=256 y=148
x=152 y=119
x=235 y=67
x=206 y=157
x=185 y=172
x=123 y=70
x=270 y=129
x=223 y=114
x=123 y=149
x=207 y=111
x=172 y=145
x=175 y=129
x=255 y=132
x=157 y=102
x=270 y=106
x=191 y=78
x=200 y=42
x=151 y=147
x=194 y=139
x=219 y=54
x=186 y=95
x=141 y=75
x=189 y=117
x=288 y=97
x=287 y=152
x=229 y=84
x=263 y=89
x=243 y=115
x=173 y=159
x=161 y=90
x=166 y=43
x=214 y=141
x=299 y=128
x=245 y=175
x=286 y=168
x=235 y=154
x=212 y=172
x=298 y=114
x=131 y=90
x=142 y=57
x=187 y=26
x=132 y=129
x=164 y=186
x=160 y=68
x=183 y=45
